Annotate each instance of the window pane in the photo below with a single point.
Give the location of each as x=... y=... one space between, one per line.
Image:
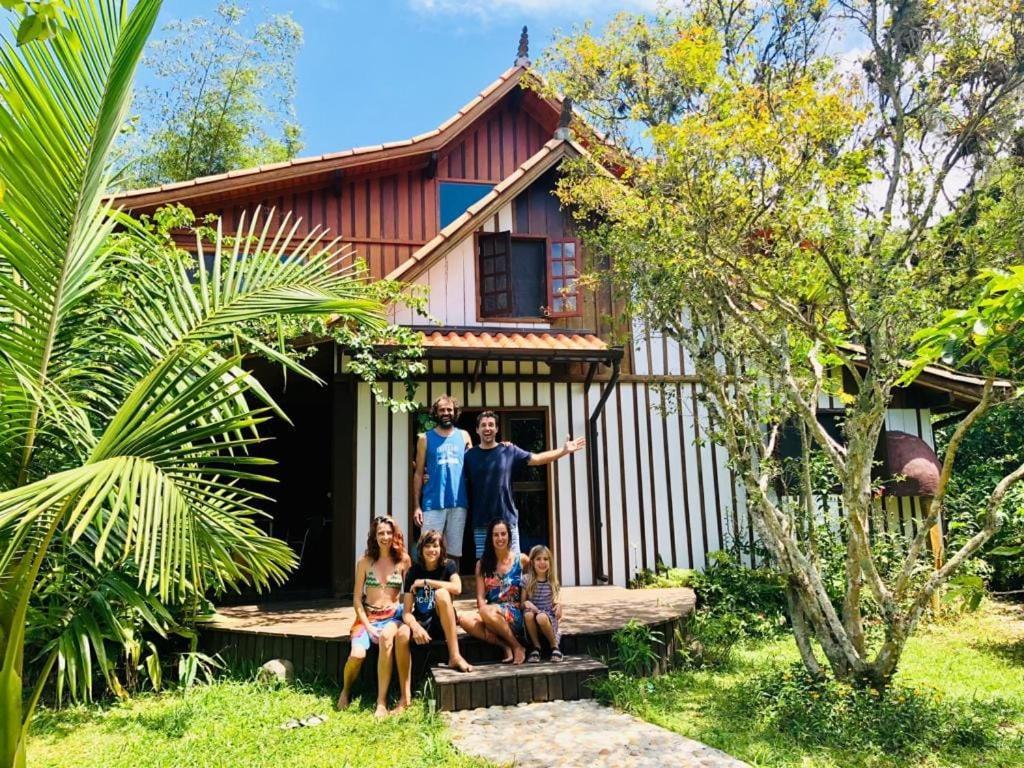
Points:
x=488 y=285
x=556 y=287
x=570 y=303
x=528 y=276
x=500 y=282
x=501 y=301
x=489 y=304
x=570 y=287
x=570 y=250
x=488 y=266
x=556 y=251
x=456 y=198
x=558 y=306
x=570 y=267
x=499 y=264
x=556 y=268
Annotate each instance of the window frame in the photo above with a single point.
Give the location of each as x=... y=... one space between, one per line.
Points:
x=577 y=311
x=478 y=270
x=547 y=315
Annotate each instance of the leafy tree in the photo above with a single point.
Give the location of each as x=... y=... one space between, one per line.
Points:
x=775 y=213
x=126 y=482
x=225 y=98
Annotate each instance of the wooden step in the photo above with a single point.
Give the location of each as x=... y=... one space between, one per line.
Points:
x=491 y=685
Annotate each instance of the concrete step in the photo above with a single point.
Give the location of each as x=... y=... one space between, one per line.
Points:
x=495 y=684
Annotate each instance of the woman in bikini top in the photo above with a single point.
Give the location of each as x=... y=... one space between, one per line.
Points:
x=379 y=616
x=393 y=582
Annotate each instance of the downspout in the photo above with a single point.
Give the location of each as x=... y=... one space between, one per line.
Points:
x=595 y=479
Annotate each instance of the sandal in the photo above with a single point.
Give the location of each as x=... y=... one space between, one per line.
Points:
x=313 y=720
x=556 y=655
x=290 y=724
x=534 y=657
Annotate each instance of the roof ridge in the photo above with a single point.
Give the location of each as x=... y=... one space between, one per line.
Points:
x=505 y=77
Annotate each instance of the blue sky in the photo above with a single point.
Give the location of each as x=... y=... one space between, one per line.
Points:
x=380 y=71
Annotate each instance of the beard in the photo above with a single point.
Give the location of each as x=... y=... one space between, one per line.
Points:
x=445 y=421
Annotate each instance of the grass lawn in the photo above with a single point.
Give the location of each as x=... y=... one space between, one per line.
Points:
x=979 y=658
x=233 y=723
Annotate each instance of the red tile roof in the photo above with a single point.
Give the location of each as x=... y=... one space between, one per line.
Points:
x=515 y=341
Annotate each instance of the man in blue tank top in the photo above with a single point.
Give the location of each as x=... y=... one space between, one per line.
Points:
x=440 y=452
x=489 y=469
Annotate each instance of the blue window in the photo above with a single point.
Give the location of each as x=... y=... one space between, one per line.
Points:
x=456 y=198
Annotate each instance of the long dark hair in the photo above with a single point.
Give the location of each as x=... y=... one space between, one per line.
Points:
x=397 y=540
x=432 y=537
x=489 y=560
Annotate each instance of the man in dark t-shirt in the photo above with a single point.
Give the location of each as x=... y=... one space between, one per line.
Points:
x=488 y=469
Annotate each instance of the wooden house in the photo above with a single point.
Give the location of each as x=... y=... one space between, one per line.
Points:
x=467 y=209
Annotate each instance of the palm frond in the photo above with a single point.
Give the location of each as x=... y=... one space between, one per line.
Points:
x=64 y=101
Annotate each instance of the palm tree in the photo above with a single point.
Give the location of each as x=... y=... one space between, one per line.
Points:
x=125 y=414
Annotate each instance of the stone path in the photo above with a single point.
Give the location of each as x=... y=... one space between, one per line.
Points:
x=576 y=733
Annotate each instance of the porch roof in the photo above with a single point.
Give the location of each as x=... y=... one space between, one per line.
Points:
x=494 y=343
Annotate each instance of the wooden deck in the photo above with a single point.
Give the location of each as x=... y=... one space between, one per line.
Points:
x=314 y=634
x=587 y=610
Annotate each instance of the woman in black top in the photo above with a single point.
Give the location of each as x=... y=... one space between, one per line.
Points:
x=431 y=585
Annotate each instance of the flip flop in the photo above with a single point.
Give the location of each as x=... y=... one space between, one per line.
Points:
x=313 y=720
x=290 y=724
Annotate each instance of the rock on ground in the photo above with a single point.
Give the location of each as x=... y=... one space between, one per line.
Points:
x=576 y=733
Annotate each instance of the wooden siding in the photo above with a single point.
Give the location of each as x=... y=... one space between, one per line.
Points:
x=387 y=215
x=452 y=297
x=494 y=146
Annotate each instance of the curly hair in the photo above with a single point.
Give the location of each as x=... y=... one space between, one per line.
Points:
x=397 y=553
x=446 y=398
x=489 y=559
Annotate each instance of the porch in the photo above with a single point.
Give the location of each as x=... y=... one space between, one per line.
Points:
x=314 y=634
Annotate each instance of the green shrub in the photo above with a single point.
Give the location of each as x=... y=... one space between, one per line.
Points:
x=710 y=639
x=899 y=720
x=755 y=597
x=635 y=649
x=992 y=447
x=662 y=577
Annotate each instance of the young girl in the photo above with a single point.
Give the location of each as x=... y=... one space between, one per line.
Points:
x=431 y=586
x=541 y=608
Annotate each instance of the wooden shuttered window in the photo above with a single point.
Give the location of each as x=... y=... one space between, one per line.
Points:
x=564 y=299
x=528 y=278
x=495 y=277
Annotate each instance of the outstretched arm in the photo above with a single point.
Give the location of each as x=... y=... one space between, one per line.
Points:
x=571 y=446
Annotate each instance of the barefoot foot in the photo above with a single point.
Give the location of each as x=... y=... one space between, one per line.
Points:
x=381 y=711
x=459 y=664
x=518 y=655
x=403 y=705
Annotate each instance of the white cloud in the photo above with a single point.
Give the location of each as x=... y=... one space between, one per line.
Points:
x=483 y=8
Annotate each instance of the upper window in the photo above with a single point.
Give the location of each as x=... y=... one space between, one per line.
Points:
x=456 y=198
x=527 y=277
